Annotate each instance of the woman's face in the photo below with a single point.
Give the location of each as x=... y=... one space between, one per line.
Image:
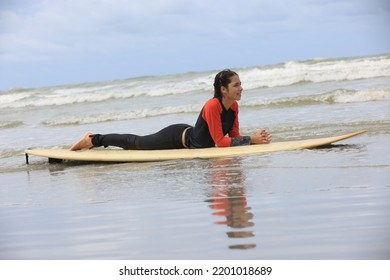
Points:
x=234 y=89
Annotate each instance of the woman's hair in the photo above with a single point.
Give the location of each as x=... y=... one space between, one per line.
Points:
x=222 y=79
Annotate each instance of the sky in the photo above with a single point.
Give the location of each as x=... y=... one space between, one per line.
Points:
x=58 y=42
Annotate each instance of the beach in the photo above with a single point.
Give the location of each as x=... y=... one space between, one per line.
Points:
x=328 y=203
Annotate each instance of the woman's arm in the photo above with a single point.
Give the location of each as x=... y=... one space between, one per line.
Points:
x=212 y=116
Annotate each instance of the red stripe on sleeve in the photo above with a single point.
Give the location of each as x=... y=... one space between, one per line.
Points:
x=212 y=115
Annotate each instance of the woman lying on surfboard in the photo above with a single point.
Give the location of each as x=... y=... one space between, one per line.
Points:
x=218 y=118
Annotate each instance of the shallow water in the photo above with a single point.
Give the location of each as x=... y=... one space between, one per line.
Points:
x=331 y=203
x=312 y=204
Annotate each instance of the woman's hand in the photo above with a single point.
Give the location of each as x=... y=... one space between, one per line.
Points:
x=261 y=137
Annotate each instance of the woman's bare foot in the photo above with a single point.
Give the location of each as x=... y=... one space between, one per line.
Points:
x=83 y=143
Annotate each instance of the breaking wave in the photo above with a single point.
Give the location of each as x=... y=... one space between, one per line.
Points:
x=284 y=74
x=333 y=97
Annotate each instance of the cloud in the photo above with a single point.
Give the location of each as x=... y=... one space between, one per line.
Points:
x=69 y=27
x=199 y=34
x=101 y=26
x=92 y=25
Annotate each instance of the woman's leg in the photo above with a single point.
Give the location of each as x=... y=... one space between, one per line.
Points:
x=124 y=141
x=167 y=138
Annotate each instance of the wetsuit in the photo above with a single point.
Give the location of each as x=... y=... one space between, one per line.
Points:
x=167 y=138
x=214 y=122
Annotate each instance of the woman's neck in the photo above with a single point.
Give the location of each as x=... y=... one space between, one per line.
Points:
x=226 y=103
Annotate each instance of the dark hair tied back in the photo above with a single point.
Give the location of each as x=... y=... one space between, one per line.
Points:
x=222 y=79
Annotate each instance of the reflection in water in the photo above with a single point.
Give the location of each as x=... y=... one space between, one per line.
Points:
x=228 y=200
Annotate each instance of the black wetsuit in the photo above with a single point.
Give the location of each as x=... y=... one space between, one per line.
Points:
x=167 y=138
x=213 y=124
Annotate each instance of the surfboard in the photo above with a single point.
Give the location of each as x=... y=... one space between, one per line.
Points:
x=119 y=155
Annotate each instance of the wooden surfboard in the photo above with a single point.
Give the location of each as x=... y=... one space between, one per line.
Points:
x=119 y=155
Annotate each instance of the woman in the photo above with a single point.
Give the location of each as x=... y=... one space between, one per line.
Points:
x=218 y=118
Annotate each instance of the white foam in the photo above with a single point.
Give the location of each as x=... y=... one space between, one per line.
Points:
x=316 y=71
x=335 y=96
x=289 y=73
x=361 y=96
x=122 y=116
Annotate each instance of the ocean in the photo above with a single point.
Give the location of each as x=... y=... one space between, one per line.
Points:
x=328 y=203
